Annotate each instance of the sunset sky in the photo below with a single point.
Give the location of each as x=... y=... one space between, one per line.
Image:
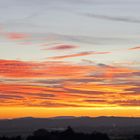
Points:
x=69 y=57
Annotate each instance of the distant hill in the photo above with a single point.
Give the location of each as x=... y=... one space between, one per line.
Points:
x=110 y=125
x=64 y=121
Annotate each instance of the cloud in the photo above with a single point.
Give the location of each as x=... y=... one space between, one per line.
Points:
x=50 y=70
x=8 y=96
x=93 y=87
x=55 y=70
x=135 y=48
x=21 y=94
x=89 y=39
x=130 y=102
x=61 y=84
x=116 y=102
x=78 y=55
x=17 y=36
x=96 y=101
x=62 y=47
x=105 y=66
x=113 y=18
x=52 y=104
x=35 y=95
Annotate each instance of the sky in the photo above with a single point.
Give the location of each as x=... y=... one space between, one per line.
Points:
x=69 y=57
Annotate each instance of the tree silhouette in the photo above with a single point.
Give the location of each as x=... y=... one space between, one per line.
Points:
x=11 y=138
x=68 y=134
x=137 y=137
x=40 y=132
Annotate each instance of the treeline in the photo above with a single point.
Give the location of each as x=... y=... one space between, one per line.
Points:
x=68 y=134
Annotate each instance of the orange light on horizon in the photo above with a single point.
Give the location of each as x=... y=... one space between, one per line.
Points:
x=16 y=112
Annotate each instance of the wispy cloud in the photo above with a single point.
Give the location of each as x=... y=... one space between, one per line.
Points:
x=90 y=39
x=129 y=102
x=17 y=36
x=62 y=47
x=113 y=18
x=26 y=69
x=135 y=48
x=78 y=55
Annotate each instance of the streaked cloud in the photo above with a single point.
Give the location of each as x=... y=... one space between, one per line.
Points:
x=130 y=102
x=113 y=18
x=17 y=36
x=27 y=69
x=61 y=84
x=78 y=55
x=62 y=47
x=135 y=48
x=88 y=39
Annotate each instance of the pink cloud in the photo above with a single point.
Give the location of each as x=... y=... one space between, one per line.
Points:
x=78 y=55
x=16 y=36
x=62 y=47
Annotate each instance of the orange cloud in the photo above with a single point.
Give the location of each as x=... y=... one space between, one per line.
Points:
x=24 y=69
x=135 y=48
x=99 y=87
x=77 y=55
x=62 y=70
x=60 y=84
x=47 y=96
x=114 y=72
x=35 y=95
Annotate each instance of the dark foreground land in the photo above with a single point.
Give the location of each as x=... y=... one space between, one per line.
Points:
x=68 y=134
x=83 y=128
